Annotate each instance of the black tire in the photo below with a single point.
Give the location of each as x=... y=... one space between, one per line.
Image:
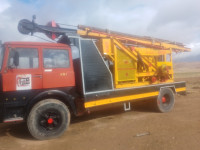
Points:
x=165 y=101
x=48 y=119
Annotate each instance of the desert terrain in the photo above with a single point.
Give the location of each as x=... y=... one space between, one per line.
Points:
x=139 y=129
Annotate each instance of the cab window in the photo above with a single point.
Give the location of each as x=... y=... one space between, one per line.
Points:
x=23 y=58
x=55 y=58
x=161 y=58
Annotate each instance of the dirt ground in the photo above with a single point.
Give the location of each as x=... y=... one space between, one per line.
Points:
x=113 y=129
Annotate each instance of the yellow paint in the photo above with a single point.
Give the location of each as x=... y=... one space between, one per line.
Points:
x=134 y=60
x=126 y=67
x=63 y=74
x=119 y=99
x=127 y=85
x=164 y=45
x=125 y=60
x=151 y=51
x=115 y=66
x=180 y=89
x=132 y=84
x=106 y=46
x=125 y=98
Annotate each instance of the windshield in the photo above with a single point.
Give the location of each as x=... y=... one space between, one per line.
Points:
x=1 y=55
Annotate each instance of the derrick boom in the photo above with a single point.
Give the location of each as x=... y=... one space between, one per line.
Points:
x=133 y=60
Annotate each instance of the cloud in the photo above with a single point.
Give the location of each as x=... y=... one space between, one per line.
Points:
x=188 y=56
x=175 y=20
x=4 y=5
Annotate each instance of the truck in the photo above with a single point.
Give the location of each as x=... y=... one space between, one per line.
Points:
x=44 y=84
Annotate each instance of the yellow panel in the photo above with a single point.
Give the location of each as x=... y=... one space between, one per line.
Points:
x=181 y=89
x=151 y=52
x=164 y=63
x=145 y=74
x=106 y=44
x=126 y=67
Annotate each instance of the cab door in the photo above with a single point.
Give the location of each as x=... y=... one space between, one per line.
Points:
x=57 y=67
x=22 y=71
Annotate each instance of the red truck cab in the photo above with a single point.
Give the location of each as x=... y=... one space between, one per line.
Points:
x=39 y=66
x=31 y=71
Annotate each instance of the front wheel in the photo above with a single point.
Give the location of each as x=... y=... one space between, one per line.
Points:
x=165 y=101
x=48 y=119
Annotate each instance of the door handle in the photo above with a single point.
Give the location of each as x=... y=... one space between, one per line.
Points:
x=37 y=76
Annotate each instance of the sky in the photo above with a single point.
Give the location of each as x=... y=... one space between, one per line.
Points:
x=174 y=20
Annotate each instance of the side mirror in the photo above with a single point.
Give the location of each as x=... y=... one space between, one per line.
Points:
x=13 y=59
x=16 y=59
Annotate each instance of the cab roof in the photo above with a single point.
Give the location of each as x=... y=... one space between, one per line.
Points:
x=37 y=44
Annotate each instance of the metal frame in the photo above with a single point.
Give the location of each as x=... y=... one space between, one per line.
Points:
x=138 y=87
x=127 y=108
x=83 y=82
x=105 y=64
x=81 y=62
x=173 y=86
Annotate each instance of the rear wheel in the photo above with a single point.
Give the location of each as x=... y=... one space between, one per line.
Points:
x=48 y=119
x=165 y=100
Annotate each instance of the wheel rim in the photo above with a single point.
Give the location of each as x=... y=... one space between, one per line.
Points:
x=50 y=120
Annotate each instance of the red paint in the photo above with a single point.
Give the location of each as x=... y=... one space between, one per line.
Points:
x=51 y=79
x=126 y=61
x=50 y=121
x=9 y=76
x=132 y=48
x=53 y=36
x=59 y=77
x=153 y=79
x=163 y=99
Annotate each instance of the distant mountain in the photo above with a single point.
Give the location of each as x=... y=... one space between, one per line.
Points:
x=195 y=58
x=186 y=66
